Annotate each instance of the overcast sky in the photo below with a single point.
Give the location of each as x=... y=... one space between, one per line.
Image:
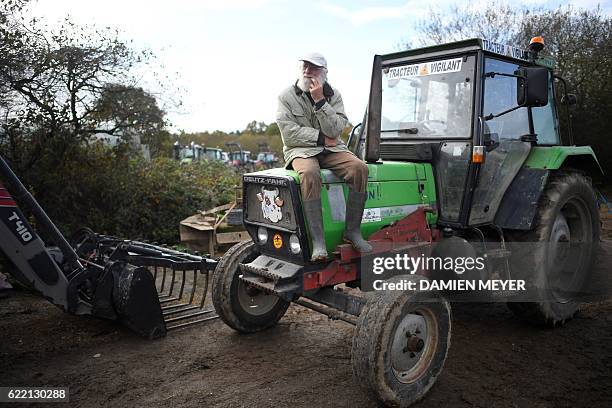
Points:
x=231 y=58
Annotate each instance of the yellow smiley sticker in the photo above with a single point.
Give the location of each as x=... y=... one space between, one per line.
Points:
x=277 y=240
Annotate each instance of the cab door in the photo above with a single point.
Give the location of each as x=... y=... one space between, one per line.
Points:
x=508 y=138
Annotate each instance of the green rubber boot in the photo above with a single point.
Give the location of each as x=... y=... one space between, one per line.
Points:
x=315 y=221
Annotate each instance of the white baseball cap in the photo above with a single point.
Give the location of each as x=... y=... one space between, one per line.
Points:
x=316 y=59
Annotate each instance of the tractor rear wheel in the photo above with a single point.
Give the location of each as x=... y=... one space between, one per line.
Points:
x=400 y=344
x=243 y=308
x=565 y=239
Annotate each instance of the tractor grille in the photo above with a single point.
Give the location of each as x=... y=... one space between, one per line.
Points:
x=405 y=152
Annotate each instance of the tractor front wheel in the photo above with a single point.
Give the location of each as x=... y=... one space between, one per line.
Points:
x=555 y=257
x=242 y=307
x=400 y=344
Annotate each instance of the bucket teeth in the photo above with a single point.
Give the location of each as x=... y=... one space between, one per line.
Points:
x=182 y=291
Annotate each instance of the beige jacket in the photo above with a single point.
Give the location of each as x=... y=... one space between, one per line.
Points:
x=300 y=122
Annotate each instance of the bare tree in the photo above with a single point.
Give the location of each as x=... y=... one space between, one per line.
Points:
x=126 y=111
x=57 y=86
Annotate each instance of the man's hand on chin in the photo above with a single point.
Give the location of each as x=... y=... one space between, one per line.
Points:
x=316 y=89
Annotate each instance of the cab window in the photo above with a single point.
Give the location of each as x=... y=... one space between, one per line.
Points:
x=545 y=123
x=499 y=96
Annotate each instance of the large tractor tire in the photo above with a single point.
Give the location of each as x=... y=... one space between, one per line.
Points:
x=400 y=344
x=558 y=265
x=243 y=308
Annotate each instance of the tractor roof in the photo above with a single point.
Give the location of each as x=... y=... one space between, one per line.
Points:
x=463 y=46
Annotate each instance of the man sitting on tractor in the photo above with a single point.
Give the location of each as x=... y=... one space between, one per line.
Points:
x=311 y=118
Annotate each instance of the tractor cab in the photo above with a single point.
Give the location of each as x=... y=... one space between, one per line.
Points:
x=265 y=158
x=237 y=157
x=240 y=158
x=477 y=111
x=188 y=154
x=213 y=154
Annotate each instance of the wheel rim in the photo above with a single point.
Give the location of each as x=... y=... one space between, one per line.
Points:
x=254 y=301
x=414 y=345
x=570 y=244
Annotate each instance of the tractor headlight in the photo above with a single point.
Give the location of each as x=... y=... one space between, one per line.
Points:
x=294 y=244
x=262 y=235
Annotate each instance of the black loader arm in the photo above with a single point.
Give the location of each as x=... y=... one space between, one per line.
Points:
x=112 y=287
x=34 y=264
x=23 y=247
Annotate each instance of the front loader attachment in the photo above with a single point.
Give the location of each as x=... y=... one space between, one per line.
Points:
x=136 y=300
x=149 y=288
x=141 y=271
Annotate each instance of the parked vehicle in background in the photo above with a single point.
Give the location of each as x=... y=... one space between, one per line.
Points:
x=265 y=158
x=195 y=152
x=213 y=154
x=238 y=158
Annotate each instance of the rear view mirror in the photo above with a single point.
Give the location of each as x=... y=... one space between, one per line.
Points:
x=532 y=86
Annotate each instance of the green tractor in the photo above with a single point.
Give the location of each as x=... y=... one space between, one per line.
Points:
x=466 y=157
x=195 y=153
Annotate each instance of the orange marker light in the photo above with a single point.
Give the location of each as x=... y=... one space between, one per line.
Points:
x=478 y=154
x=536 y=44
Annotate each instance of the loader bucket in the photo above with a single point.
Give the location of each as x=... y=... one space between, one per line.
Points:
x=179 y=280
x=152 y=289
x=155 y=289
x=136 y=301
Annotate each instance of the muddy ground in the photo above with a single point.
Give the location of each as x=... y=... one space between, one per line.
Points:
x=494 y=361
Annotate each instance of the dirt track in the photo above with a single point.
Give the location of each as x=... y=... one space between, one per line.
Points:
x=494 y=360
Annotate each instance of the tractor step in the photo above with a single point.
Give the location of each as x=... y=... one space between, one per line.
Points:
x=260 y=283
x=275 y=276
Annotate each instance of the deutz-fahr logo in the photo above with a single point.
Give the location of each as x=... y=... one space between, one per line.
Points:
x=266 y=180
x=271 y=204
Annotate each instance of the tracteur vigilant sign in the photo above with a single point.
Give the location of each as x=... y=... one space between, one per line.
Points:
x=426 y=68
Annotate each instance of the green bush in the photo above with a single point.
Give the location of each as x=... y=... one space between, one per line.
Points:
x=111 y=193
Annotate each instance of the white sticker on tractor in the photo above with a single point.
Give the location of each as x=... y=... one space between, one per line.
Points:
x=337 y=203
x=271 y=204
x=504 y=49
x=457 y=151
x=425 y=68
x=371 y=215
